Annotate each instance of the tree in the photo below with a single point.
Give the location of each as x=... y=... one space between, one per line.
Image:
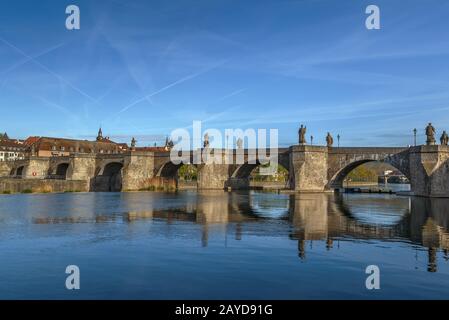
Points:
x=363 y=173
x=188 y=172
x=281 y=175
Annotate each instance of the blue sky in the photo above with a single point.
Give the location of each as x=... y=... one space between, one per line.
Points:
x=143 y=68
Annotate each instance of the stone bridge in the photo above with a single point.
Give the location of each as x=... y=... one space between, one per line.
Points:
x=311 y=168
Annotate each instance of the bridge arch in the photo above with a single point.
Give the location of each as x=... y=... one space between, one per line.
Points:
x=244 y=171
x=341 y=161
x=241 y=176
x=59 y=170
x=168 y=176
x=169 y=170
x=112 y=168
x=336 y=181
x=108 y=177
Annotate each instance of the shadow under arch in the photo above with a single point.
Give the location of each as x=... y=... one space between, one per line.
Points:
x=108 y=178
x=19 y=172
x=59 y=171
x=169 y=170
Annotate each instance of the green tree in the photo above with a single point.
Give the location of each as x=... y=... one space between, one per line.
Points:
x=281 y=175
x=188 y=172
x=363 y=173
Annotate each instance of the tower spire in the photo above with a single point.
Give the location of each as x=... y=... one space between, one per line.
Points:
x=100 y=135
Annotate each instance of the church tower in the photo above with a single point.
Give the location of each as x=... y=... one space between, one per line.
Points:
x=100 y=135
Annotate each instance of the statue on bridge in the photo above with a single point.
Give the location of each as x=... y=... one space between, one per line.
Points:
x=302 y=135
x=329 y=140
x=239 y=143
x=169 y=144
x=206 y=141
x=430 y=133
x=444 y=139
x=133 y=144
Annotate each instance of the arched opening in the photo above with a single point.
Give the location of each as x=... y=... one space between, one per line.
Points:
x=259 y=176
x=264 y=173
x=61 y=171
x=187 y=176
x=167 y=177
x=113 y=174
x=169 y=170
x=372 y=176
x=109 y=179
x=19 y=172
x=112 y=169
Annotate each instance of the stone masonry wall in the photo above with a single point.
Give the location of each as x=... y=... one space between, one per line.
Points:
x=5 y=168
x=213 y=176
x=308 y=168
x=37 y=168
x=429 y=171
x=138 y=170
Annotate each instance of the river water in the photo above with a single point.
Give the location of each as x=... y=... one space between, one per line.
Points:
x=218 y=245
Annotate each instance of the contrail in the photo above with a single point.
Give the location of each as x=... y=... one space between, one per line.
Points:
x=192 y=76
x=48 y=70
x=16 y=65
x=236 y=92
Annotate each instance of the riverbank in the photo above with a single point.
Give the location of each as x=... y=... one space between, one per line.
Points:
x=9 y=186
x=359 y=184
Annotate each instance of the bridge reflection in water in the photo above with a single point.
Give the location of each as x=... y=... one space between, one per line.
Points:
x=330 y=218
x=341 y=218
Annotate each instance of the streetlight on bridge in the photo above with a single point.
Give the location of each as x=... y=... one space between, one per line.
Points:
x=338 y=139
x=414 y=135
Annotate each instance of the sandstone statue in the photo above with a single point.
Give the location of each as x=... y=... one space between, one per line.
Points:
x=329 y=140
x=302 y=134
x=133 y=144
x=206 y=141
x=430 y=133
x=444 y=139
x=239 y=143
x=169 y=144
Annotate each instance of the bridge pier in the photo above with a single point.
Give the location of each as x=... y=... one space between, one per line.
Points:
x=82 y=168
x=308 y=168
x=35 y=168
x=138 y=170
x=429 y=171
x=5 y=168
x=213 y=176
